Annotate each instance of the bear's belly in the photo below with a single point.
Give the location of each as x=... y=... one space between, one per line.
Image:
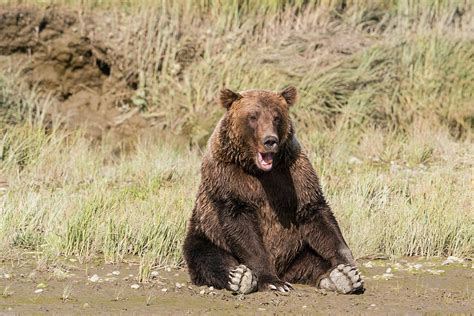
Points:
x=281 y=236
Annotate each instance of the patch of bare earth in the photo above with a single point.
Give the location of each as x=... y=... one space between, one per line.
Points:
x=59 y=57
x=404 y=286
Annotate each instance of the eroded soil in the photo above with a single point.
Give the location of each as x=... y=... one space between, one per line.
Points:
x=397 y=287
x=59 y=55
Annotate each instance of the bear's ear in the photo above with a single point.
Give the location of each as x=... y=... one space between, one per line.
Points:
x=228 y=97
x=290 y=94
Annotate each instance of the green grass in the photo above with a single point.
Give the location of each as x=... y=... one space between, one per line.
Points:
x=385 y=113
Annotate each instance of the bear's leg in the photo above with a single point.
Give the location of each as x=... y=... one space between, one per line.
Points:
x=213 y=266
x=310 y=268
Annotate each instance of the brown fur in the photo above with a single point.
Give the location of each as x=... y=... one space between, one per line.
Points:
x=275 y=222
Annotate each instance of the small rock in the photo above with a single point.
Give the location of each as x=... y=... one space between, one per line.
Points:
x=167 y=269
x=41 y=286
x=397 y=266
x=261 y=309
x=190 y=287
x=354 y=161
x=135 y=286
x=211 y=288
x=304 y=306
x=178 y=285
x=369 y=264
x=38 y=291
x=387 y=276
x=7 y=276
x=373 y=305
x=86 y=305
x=418 y=266
x=116 y=272
x=202 y=292
x=452 y=259
x=154 y=273
x=164 y=290
x=94 y=278
x=435 y=272
x=389 y=270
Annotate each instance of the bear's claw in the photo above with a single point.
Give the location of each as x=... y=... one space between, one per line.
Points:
x=284 y=287
x=344 y=279
x=242 y=280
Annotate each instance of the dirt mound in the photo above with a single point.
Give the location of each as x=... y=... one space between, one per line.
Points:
x=59 y=58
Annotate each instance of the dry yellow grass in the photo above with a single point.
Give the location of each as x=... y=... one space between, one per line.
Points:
x=386 y=113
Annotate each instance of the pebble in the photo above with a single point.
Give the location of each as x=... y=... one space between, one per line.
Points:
x=304 y=306
x=387 y=276
x=202 y=292
x=167 y=269
x=397 y=266
x=354 y=161
x=116 y=272
x=418 y=266
x=368 y=264
x=135 y=286
x=7 y=276
x=164 y=290
x=389 y=270
x=452 y=259
x=154 y=273
x=178 y=285
x=86 y=305
x=38 y=291
x=211 y=288
x=435 y=272
x=94 y=278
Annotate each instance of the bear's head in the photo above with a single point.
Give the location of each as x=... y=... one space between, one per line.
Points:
x=256 y=127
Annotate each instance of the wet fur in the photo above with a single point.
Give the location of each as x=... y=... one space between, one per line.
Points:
x=277 y=223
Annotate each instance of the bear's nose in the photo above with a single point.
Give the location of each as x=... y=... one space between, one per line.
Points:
x=270 y=142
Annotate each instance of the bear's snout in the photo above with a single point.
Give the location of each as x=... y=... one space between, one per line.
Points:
x=270 y=143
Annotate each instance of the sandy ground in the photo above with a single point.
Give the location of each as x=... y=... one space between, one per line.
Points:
x=411 y=286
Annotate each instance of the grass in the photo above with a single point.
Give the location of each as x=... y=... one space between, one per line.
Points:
x=386 y=114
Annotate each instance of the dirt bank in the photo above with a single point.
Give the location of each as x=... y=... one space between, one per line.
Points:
x=63 y=55
x=399 y=287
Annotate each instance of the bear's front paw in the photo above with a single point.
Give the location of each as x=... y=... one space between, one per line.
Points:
x=274 y=284
x=242 y=280
x=345 y=279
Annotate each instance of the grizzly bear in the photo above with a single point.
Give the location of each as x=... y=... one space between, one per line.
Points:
x=260 y=219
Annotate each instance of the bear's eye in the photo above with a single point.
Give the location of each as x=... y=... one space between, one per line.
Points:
x=253 y=117
x=277 y=119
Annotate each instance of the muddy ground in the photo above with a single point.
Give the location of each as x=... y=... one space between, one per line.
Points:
x=399 y=287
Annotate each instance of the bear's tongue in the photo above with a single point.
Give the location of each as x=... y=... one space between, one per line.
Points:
x=267 y=158
x=265 y=161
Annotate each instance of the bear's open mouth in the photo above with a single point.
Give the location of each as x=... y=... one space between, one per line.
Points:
x=265 y=161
